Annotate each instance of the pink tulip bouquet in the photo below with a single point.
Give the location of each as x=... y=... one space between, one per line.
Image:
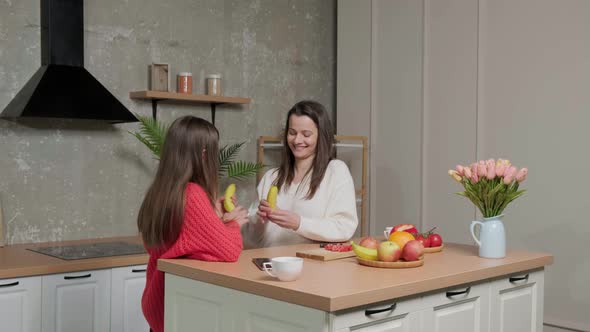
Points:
x=489 y=184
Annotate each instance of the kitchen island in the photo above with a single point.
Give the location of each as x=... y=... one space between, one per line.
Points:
x=455 y=290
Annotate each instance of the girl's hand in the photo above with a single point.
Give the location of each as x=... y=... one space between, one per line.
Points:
x=239 y=215
x=283 y=218
x=262 y=208
x=219 y=205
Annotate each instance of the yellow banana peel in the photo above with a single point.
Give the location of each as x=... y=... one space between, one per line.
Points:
x=364 y=253
x=228 y=203
x=273 y=192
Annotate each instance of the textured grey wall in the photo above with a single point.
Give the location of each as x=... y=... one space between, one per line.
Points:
x=62 y=180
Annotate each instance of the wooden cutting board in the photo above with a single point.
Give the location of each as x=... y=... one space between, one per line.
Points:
x=323 y=254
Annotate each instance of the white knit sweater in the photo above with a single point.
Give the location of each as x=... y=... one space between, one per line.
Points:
x=330 y=216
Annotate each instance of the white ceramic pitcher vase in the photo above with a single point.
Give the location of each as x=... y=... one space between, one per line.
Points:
x=492 y=237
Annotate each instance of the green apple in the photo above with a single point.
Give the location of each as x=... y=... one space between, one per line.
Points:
x=388 y=251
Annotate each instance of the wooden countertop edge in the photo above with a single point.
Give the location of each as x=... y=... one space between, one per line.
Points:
x=252 y=287
x=74 y=266
x=413 y=288
x=352 y=300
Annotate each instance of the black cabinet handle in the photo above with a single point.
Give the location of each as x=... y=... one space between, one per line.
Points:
x=138 y=270
x=466 y=291
x=11 y=284
x=370 y=312
x=78 y=277
x=515 y=279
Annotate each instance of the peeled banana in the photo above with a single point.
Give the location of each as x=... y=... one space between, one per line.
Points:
x=273 y=192
x=364 y=253
x=228 y=203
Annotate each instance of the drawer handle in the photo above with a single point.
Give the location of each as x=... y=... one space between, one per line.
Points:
x=138 y=270
x=370 y=312
x=78 y=277
x=515 y=279
x=466 y=291
x=11 y=284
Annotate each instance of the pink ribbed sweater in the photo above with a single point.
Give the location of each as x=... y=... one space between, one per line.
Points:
x=203 y=236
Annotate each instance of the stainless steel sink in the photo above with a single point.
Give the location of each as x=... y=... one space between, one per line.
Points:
x=94 y=250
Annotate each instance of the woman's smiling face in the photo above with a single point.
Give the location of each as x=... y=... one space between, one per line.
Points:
x=302 y=137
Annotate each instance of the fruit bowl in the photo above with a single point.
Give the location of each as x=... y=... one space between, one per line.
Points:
x=434 y=249
x=391 y=265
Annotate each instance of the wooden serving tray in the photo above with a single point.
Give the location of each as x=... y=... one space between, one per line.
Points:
x=434 y=249
x=323 y=254
x=391 y=265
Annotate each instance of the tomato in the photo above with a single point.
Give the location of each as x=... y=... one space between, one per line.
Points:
x=435 y=240
x=338 y=247
x=425 y=240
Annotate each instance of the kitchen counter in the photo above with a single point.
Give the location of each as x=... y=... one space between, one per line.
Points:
x=17 y=261
x=342 y=284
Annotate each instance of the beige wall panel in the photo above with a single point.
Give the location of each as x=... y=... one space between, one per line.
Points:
x=450 y=105
x=534 y=109
x=397 y=119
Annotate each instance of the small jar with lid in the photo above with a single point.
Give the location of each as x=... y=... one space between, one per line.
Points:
x=214 y=85
x=185 y=82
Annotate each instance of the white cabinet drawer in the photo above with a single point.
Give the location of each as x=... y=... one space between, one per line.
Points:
x=371 y=314
x=517 y=302
x=459 y=309
x=20 y=304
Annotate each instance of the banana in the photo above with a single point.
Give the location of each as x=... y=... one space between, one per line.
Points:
x=272 y=196
x=364 y=253
x=228 y=203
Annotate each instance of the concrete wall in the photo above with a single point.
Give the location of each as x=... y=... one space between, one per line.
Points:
x=63 y=180
x=498 y=79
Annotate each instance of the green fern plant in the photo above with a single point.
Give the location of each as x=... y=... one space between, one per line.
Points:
x=152 y=134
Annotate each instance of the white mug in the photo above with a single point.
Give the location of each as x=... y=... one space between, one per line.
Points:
x=285 y=268
x=386 y=232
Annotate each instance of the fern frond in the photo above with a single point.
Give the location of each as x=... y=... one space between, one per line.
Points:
x=227 y=155
x=151 y=133
x=240 y=170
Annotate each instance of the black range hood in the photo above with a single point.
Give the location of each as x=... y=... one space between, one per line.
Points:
x=62 y=87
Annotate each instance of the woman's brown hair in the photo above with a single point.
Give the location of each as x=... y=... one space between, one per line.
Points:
x=190 y=154
x=324 y=149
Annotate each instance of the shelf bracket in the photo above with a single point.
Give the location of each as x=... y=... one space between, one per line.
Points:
x=154 y=108
x=213 y=105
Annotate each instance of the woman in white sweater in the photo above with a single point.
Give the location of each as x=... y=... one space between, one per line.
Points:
x=316 y=200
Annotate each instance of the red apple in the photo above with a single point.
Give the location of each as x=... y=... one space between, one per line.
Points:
x=413 y=250
x=388 y=251
x=369 y=242
x=405 y=228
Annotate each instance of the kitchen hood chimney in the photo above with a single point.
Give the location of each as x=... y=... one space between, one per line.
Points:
x=62 y=87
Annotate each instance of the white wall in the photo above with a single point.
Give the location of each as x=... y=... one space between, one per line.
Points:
x=457 y=80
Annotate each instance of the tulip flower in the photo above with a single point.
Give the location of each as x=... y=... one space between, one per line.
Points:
x=500 y=168
x=467 y=172
x=455 y=175
x=521 y=175
x=509 y=175
x=481 y=169
x=491 y=169
x=459 y=170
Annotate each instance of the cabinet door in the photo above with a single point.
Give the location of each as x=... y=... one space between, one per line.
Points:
x=127 y=284
x=517 y=303
x=74 y=302
x=391 y=316
x=460 y=309
x=20 y=304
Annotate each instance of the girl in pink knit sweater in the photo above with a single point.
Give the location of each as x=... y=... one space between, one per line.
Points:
x=181 y=216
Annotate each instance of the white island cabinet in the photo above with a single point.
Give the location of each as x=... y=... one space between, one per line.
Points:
x=454 y=291
x=20 y=304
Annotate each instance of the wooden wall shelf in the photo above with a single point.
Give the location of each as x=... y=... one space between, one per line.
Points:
x=157 y=96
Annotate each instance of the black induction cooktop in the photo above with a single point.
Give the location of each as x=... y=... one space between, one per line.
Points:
x=93 y=250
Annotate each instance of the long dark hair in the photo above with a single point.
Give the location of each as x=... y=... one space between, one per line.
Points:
x=324 y=148
x=190 y=154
